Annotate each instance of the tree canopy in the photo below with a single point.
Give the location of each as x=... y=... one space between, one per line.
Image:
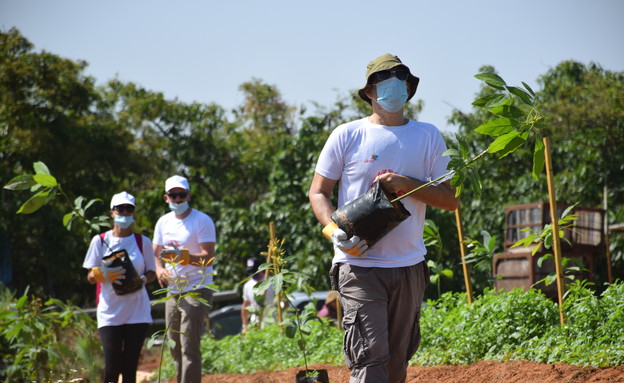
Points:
x=253 y=165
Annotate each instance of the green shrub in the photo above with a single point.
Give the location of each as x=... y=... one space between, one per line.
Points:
x=269 y=349
x=500 y=326
x=44 y=341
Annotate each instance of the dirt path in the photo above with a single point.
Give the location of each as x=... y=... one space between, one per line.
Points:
x=481 y=372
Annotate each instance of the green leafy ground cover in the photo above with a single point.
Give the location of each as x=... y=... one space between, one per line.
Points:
x=516 y=325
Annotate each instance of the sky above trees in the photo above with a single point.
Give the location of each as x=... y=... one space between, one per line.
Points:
x=203 y=51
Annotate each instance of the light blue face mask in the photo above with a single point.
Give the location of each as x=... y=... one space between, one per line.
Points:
x=178 y=208
x=392 y=94
x=123 y=221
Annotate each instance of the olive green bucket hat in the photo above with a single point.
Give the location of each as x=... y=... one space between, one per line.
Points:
x=387 y=62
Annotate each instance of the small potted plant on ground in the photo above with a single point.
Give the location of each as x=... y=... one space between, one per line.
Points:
x=294 y=326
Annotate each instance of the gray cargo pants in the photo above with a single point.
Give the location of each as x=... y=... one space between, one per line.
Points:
x=186 y=324
x=381 y=318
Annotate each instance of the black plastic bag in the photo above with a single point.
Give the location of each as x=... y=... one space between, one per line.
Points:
x=133 y=281
x=371 y=215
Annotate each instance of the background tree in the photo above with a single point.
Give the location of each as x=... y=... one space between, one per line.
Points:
x=582 y=105
x=49 y=111
x=254 y=164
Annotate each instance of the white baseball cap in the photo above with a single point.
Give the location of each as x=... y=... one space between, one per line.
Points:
x=176 y=182
x=122 y=198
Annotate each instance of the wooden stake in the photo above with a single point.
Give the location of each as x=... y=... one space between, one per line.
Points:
x=605 y=222
x=462 y=248
x=273 y=259
x=555 y=229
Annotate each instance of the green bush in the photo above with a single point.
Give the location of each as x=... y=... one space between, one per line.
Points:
x=500 y=326
x=45 y=341
x=525 y=325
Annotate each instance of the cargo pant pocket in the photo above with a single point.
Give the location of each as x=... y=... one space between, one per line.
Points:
x=355 y=343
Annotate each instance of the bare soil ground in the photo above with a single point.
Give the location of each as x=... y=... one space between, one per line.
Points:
x=481 y=372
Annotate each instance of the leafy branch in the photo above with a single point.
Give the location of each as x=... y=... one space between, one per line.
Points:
x=545 y=239
x=44 y=188
x=284 y=280
x=516 y=118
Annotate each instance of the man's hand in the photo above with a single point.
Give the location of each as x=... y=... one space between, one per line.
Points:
x=179 y=256
x=353 y=246
x=162 y=276
x=109 y=274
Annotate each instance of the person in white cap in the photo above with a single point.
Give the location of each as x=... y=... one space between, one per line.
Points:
x=123 y=320
x=257 y=309
x=184 y=244
x=381 y=288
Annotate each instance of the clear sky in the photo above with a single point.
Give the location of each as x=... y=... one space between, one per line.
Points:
x=203 y=51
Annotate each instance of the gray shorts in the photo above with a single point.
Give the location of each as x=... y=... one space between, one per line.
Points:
x=381 y=318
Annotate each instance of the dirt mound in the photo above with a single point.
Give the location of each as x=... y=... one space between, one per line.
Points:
x=481 y=372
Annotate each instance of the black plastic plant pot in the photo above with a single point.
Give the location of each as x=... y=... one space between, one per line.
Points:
x=312 y=376
x=371 y=215
x=133 y=281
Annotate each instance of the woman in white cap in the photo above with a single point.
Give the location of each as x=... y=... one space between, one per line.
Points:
x=121 y=262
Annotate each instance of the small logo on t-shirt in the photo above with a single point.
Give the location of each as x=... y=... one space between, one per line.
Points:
x=372 y=159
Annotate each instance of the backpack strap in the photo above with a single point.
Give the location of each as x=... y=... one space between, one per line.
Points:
x=139 y=240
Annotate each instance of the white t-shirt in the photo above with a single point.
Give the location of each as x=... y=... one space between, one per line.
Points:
x=357 y=152
x=186 y=233
x=113 y=309
x=250 y=296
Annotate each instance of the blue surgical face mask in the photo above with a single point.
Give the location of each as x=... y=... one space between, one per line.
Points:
x=123 y=221
x=178 y=208
x=392 y=94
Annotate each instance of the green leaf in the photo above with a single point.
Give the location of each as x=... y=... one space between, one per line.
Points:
x=538 y=159
x=550 y=279
x=492 y=79
x=41 y=168
x=451 y=153
x=448 y=273
x=34 y=203
x=45 y=180
x=490 y=100
x=509 y=111
x=78 y=201
x=521 y=94
x=91 y=202
x=508 y=143
x=23 y=182
x=67 y=218
x=496 y=127
x=502 y=141
x=527 y=87
x=290 y=331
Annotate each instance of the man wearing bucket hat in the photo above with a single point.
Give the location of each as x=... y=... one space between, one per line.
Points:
x=184 y=245
x=381 y=288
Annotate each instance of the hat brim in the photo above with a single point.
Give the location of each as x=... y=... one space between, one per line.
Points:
x=411 y=79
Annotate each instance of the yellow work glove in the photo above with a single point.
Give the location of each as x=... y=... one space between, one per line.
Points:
x=352 y=246
x=180 y=256
x=109 y=274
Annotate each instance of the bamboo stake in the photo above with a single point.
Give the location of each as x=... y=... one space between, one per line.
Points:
x=462 y=248
x=555 y=229
x=606 y=232
x=273 y=259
